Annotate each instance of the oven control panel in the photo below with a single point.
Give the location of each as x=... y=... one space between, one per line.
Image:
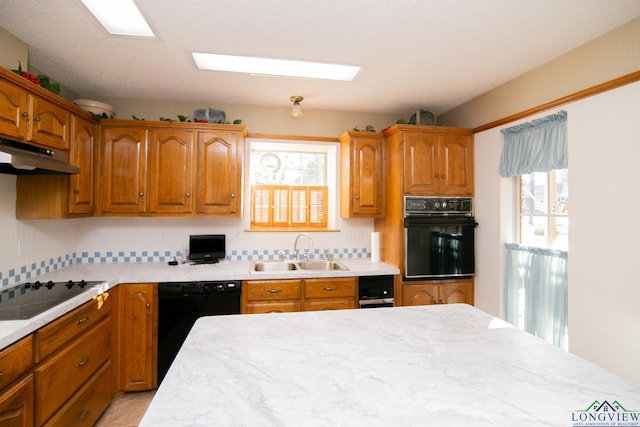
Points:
x=425 y=205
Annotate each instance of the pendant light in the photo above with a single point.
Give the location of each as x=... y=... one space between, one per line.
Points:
x=296 y=109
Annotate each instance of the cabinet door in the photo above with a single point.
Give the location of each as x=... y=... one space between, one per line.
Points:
x=420 y=156
x=420 y=294
x=272 y=307
x=16 y=404
x=363 y=185
x=13 y=111
x=170 y=171
x=81 y=155
x=456 y=164
x=219 y=180
x=124 y=169
x=49 y=124
x=457 y=292
x=137 y=321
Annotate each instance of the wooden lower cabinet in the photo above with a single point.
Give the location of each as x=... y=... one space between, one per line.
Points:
x=86 y=406
x=330 y=294
x=62 y=375
x=278 y=296
x=137 y=338
x=16 y=404
x=438 y=292
x=271 y=296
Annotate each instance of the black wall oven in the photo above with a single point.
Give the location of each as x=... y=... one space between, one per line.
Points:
x=439 y=237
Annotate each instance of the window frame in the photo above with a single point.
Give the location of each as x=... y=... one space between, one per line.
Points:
x=550 y=215
x=329 y=146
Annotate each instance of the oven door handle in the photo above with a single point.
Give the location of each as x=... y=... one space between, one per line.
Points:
x=440 y=220
x=376 y=301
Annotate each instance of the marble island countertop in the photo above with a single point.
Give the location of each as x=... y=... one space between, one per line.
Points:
x=441 y=365
x=113 y=274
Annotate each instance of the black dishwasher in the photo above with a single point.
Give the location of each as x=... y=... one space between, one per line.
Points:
x=181 y=304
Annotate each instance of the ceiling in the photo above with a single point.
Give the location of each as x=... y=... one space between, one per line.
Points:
x=431 y=54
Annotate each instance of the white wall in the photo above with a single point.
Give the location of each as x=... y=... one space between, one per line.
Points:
x=604 y=186
x=604 y=258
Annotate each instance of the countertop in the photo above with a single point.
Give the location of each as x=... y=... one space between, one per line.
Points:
x=441 y=365
x=113 y=274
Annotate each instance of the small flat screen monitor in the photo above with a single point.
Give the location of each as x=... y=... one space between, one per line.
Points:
x=206 y=248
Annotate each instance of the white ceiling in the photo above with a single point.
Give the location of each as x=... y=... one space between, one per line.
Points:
x=431 y=54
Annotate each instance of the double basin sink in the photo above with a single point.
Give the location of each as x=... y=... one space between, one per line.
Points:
x=294 y=265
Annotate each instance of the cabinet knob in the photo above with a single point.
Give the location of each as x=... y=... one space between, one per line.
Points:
x=233 y=196
x=25 y=114
x=443 y=176
x=148 y=306
x=141 y=194
x=76 y=191
x=188 y=194
x=357 y=197
x=37 y=118
x=436 y=176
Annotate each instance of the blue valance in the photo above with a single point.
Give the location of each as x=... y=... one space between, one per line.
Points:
x=536 y=146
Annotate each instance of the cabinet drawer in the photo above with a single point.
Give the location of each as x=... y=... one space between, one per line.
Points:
x=15 y=360
x=330 y=288
x=16 y=403
x=61 y=375
x=330 y=304
x=273 y=307
x=89 y=402
x=271 y=290
x=52 y=336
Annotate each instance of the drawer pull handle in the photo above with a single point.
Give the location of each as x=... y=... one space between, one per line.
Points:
x=83 y=320
x=330 y=289
x=83 y=362
x=274 y=291
x=82 y=415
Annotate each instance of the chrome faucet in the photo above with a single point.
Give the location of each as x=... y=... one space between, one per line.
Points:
x=295 y=245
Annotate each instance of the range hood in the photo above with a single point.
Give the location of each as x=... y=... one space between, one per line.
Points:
x=17 y=158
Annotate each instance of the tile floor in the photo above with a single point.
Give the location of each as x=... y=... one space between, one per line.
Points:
x=126 y=410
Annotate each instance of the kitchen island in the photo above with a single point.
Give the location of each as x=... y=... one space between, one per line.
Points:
x=444 y=365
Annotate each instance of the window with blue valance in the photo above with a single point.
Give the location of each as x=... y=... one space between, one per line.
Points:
x=536 y=279
x=536 y=146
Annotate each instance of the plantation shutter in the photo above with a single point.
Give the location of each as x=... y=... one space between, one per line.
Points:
x=289 y=206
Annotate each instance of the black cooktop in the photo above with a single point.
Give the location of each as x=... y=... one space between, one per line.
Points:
x=29 y=299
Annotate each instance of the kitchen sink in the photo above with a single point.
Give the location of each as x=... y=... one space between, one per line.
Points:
x=258 y=266
x=284 y=266
x=321 y=265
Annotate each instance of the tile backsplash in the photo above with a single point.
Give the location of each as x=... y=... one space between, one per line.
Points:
x=26 y=272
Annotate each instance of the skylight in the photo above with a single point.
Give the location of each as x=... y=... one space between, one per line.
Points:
x=119 y=17
x=275 y=67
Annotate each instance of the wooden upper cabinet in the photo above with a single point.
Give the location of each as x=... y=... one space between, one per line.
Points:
x=13 y=108
x=124 y=169
x=171 y=153
x=456 y=164
x=81 y=198
x=219 y=172
x=49 y=124
x=437 y=160
x=30 y=118
x=420 y=161
x=362 y=187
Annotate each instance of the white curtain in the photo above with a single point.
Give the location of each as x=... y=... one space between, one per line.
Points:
x=536 y=292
